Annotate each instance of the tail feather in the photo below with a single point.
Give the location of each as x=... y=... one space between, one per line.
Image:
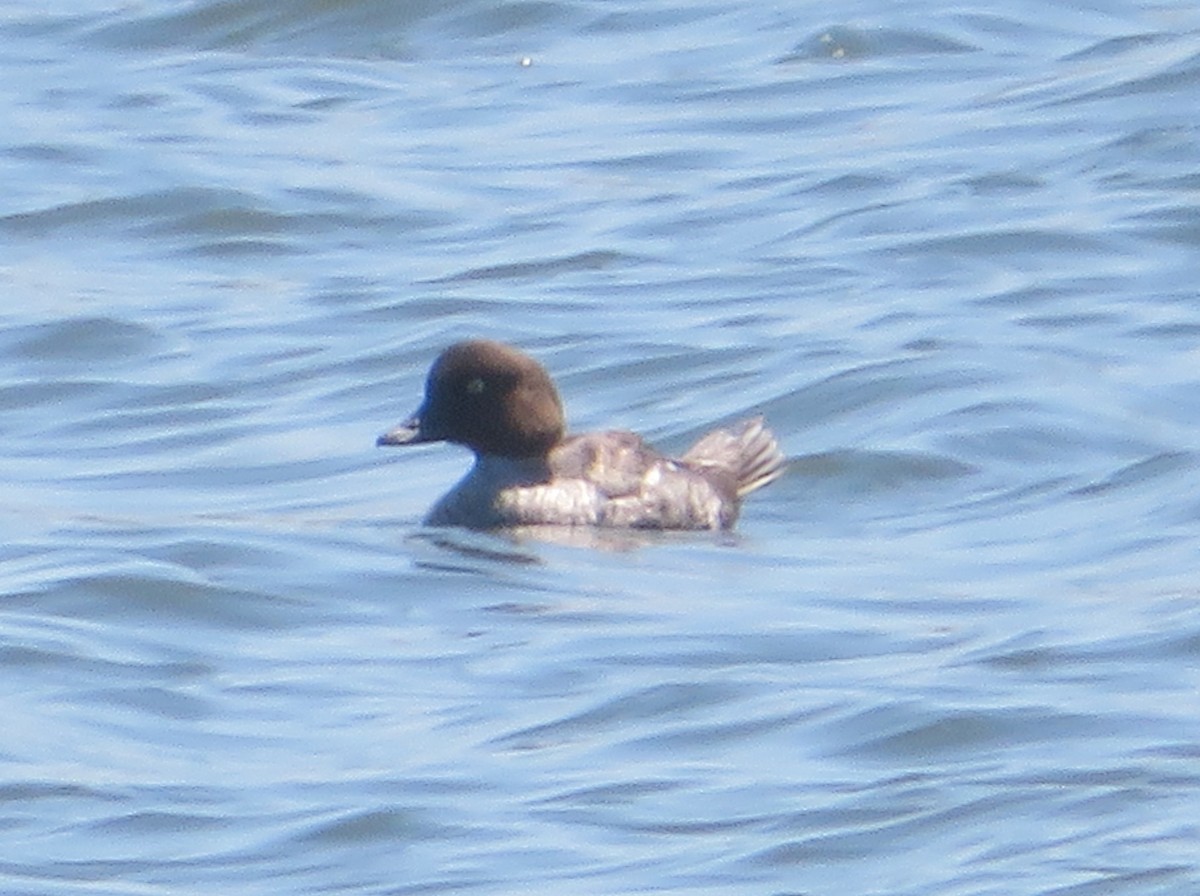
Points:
x=747 y=450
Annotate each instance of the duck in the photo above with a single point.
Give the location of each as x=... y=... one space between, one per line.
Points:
x=502 y=404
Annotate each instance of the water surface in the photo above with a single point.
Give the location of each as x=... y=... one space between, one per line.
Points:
x=951 y=253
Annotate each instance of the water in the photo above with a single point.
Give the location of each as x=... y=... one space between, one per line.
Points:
x=951 y=252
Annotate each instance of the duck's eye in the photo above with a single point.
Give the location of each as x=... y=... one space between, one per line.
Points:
x=475 y=386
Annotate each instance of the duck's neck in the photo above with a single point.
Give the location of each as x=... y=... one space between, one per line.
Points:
x=511 y=470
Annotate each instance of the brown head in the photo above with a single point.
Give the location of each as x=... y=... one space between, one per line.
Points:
x=489 y=397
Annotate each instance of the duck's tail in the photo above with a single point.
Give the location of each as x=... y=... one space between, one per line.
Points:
x=748 y=450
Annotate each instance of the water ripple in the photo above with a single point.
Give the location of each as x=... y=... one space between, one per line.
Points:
x=949 y=252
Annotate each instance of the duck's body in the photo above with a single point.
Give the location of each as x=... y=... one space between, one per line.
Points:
x=503 y=406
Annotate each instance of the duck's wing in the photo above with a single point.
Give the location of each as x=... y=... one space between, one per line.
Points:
x=637 y=487
x=615 y=462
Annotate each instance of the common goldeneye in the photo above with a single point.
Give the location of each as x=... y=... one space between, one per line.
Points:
x=503 y=405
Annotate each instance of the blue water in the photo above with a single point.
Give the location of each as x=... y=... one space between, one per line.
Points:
x=951 y=252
